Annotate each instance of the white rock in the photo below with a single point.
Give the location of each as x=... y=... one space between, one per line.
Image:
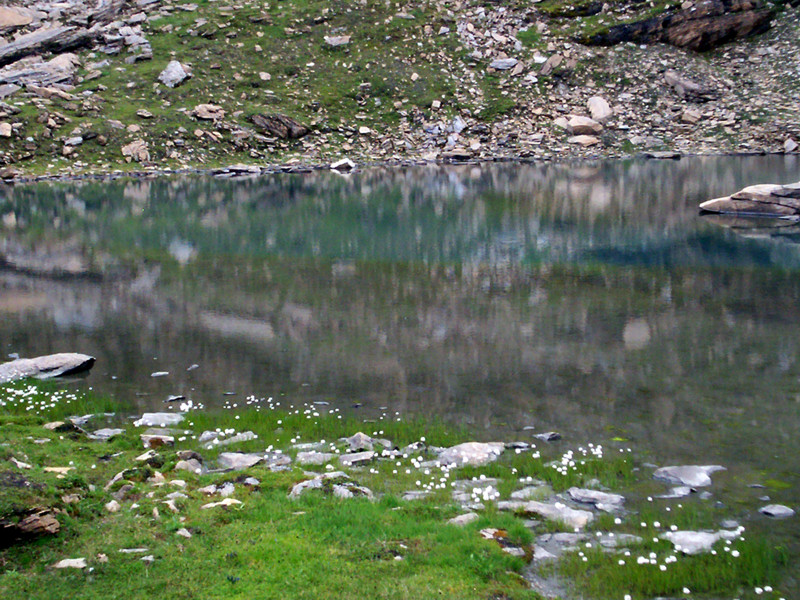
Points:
x=602 y=500
x=71 y=563
x=174 y=74
x=475 y=454
x=112 y=506
x=556 y=511
x=578 y=125
x=790 y=145
x=690 y=475
x=696 y=542
x=343 y=165
x=599 y=109
x=778 y=511
x=503 y=64
x=225 y=502
x=337 y=40
x=464 y=519
x=314 y=458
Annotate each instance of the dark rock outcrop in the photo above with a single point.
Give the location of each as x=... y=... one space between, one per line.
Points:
x=704 y=26
x=45 y=367
x=279 y=126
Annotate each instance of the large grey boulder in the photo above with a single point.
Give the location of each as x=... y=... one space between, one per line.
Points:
x=174 y=74
x=691 y=475
x=46 y=367
x=555 y=511
x=777 y=511
x=600 y=500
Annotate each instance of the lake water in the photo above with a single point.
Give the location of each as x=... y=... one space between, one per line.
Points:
x=585 y=298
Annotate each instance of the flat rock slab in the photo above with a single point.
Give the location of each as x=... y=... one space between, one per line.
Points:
x=577 y=519
x=777 y=511
x=475 y=454
x=601 y=500
x=758 y=200
x=45 y=367
x=357 y=458
x=314 y=458
x=105 y=434
x=238 y=461
x=533 y=492
x=158 y=420
x=688 y=475
x=697 y=542
x=336 y=483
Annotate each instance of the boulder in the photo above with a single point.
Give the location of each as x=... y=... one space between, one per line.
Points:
x=335 y=41
x=174 y=74
x=583 y=126
x=599 y=109
x=777 y=511
x=689 y=89
x=71 y=563
x=689 y=475
x=279 y=126
x=584 y=140
x=703 y=26
x=475 y=454
x=159 y=419
x=45 y=367
x=503 y=64
x=208 y=112
x=359 y=441
x=314 y=458
x=758 y=200
x=357 y=458
x=136 y=151
x=238 y=461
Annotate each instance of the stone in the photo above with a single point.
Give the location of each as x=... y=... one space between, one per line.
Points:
x=601 y=500
x=359 y=441
x=412 y=495
x=357 y=459
x=160 y=419
x=279 y=126
x=71 y=563
x=51 y=39
x=697 y=542
x=790 y=146
x=599 y=109
x=42 y=522
x=317 y=483
x=208 y=112
x=183 y=532
x=503 y=64
x=112 y=506
x=464 y=519
x=551 y=63
x=584 y=140
x=578 y=125
x=705 y=25
x=174 y=74
x=192 y=465
x=105 y=434
x=689 y=89
x=245 y=436
x=6 y=130
x=157 y=440
x=758 y=200
x=12 y=17
x=777 y=511
x=475 y=454
x=556 y=511
x=691 y=116
x=344 y=164
x=549 y=436
x=225 y=502
x=314 y=458
x=45 y=367
x=691 y=475
x=238 y=461
x=533 y=492
x=136 y=151
x=334 y=41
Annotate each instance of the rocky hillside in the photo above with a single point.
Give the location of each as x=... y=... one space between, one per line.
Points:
x=105 y=85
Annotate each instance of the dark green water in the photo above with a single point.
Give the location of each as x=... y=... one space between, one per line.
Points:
x=586 y=298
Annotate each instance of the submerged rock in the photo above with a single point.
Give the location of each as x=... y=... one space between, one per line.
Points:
x=758 y=200
x=45 y=367
x=689 y=475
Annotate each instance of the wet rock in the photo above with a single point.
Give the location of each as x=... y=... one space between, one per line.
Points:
x=706 y=25
x=46 y=367
x=556 y=511
x=777 y=511
x=601 y=500
x=475 y=454
x=697 y=542
x=174 y=74
x=690 y=475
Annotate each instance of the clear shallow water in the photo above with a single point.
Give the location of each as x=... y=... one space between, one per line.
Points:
x=586 y=298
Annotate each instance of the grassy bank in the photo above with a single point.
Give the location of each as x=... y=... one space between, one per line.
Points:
x=268 y=545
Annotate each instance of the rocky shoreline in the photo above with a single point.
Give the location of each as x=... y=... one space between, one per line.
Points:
x=524 y=89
